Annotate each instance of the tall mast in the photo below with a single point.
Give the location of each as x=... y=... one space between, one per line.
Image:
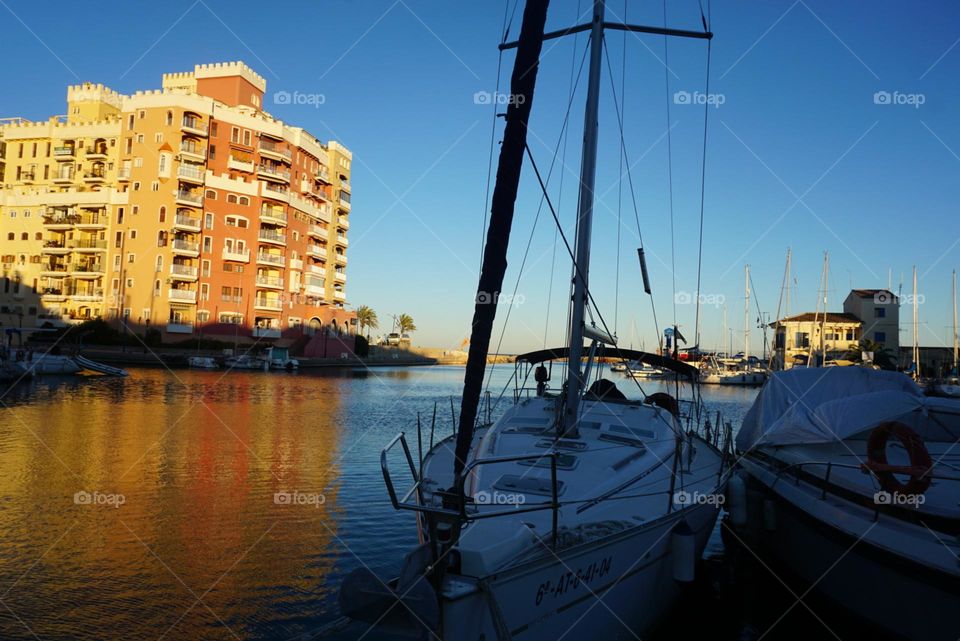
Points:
x=826 y=307
x=786 y=311
x=916 y=329
x=746 y=313
x=588 y=174
x=955 y=343
x=723 y=337
x=522 y=84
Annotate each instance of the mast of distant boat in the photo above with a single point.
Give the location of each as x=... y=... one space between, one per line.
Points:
x=916 y=329
x=826 y=307
x=746 y=314
x=955 y=342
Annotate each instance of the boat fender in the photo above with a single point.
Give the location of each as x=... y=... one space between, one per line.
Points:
x=737 y=501
x=683 y=544
x=769 y=515
x=920 y=462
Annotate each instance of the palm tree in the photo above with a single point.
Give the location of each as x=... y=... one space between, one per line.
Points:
x=367 y=318
x=405 y=324
x=882 y=356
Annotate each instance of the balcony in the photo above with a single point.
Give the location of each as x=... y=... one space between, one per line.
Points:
x=53 y=295
x=193 y=125
x=185 y=247
x=267 y=236
x=55 y=247
x=179 y=271
x=240 y=165
x=55 y=269
x=317 y=251
x=189 y=198
x=86 y=270
x=91 y=221
x=27 y=176
x=182 y=295
x=317 y=231
x=323 y=176
x=123 y=174
x=344 y=205
x=343 y=223
x=96 y=175
x=64 y=176
x=315 y=290
x=340 y=277
x=64 y=154
x=271 y=259
x=317 y=269
x=192 y=151
x=273 y=215
x=186 y=223
x=87 y=244
x=236 y=255
x=273 y=173
x=266 y=332
x=276 y=191
x=272 y=282
x=86 y=295
x=191 y=174
x=296 y=263
x=270 y=149
x=345 y=185
x=339 y=295
x=97 y=152
x=271 y=304
x=179 y=328
x=342 y=240
x=60 y=219
x=340 y=258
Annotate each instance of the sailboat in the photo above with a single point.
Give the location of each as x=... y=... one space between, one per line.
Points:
x=578 y=511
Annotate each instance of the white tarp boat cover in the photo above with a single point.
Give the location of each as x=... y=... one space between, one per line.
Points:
x=820 y=405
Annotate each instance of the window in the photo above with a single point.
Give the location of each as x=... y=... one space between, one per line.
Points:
x=879 y=312
x=802 y=339
x=139 y=138
x=204 y=291
x=234 y=134
x=213 y=129
x=11 y=236
x=156 y=287
x=161 y=239
x=136 y=209
x=205 y=268
x=138 y=162
x=850 y=335
x=162 y=166
x=211 y=194
x=163 y=214
x=232 y=198
x=155 y=186
x=130 y=122
x=246 y=137
x=119 y=215
x=880 y=337
x=38 y=236
x=207 y=244
x=208 y=221
x=136 y=185
x=142 y=114
x=158 y=137
x=159 y=262
x=243 y=200
x=133 y=234
x=169 y=118
x=131 y=258
x=203 y=316
x=213 y=152
x=25 y=236
x=116 y=260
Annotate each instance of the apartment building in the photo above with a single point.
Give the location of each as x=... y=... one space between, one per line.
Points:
x=187 y=209
x=879 y=309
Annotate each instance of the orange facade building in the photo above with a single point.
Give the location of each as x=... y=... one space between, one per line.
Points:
x=188 y=209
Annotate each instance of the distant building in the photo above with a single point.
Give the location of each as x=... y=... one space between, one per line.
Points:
x=796 y=337
x=879 y=309
x=183 y=209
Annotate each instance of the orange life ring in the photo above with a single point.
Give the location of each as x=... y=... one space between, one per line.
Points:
x=920 y=462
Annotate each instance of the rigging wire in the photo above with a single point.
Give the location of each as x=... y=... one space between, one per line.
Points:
x=673 y=244
x=703 y=176
x=623 y=96
x=633 y=194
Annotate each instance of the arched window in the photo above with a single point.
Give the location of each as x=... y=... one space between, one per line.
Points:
x=11 y=236
x=25 y=236
x=156 y=287
x=243 y=200
x=159 y=264
x=163 y=214
x=211 y=194
x=38 y=235
x=169 y=118
x=232 y=199
x=161 y=239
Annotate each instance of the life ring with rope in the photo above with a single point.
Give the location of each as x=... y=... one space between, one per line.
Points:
x=920 y=462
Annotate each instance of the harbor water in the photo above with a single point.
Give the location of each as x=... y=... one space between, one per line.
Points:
x=204 y=505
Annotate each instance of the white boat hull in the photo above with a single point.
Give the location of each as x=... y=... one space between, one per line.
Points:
x=613 y=588
x=48 y=364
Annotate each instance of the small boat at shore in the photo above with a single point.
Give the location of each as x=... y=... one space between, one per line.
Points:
x=851 y=480
x=203 y=362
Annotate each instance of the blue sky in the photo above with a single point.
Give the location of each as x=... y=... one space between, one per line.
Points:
x=799 y=153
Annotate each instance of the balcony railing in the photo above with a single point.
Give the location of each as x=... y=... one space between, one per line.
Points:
x=123 y=173
x=87 y=243
x=274 y=171
x=272 y=236
x=317 y=230
x=339 y=276
x=183 y=295
x=64 y=153
x=317 y=269
x=269 y=281
x=182 y=220
x=317 y=250
x=192 y=197
x=184 y=270
x=343 y=222
x=185 y=245
x=342 y=240
x=189 y=172
x=98 y=150
x=276 y=188
x=193 y=149
x=87 y=268
x=239 y=255
x=275 y=213
x=323 y=175
x=271 y=259
x=273 y=148
x=268 y=303
x=296 y=263
x=339 y=295
x=194 y=124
